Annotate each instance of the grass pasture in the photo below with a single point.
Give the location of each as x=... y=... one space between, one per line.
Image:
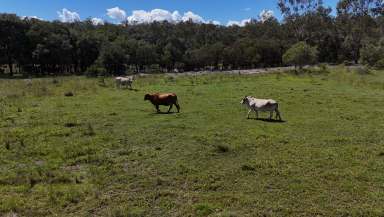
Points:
x=104 y=151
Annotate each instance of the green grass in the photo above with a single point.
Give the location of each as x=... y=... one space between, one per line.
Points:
x=104 y=152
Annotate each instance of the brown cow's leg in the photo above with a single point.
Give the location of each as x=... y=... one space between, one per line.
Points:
x=170 y=107
x=157 y=108
x=177 y=106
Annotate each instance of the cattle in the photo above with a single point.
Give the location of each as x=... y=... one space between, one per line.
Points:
x=124 y=81
x=165 y=99
x=256 y=105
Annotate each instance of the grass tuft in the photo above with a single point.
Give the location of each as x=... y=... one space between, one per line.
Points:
x=89 y=131
x=222 y=148
x=203 y=209
x=247 y=167
x=69 y=94
x=70 y=124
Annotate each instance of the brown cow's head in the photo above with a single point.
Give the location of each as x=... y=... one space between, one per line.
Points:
x=147 y=97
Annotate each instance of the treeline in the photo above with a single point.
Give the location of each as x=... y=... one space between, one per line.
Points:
x=36 y=48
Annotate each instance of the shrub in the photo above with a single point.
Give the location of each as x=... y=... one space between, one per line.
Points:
x=300 y=54
x=348 y=63
x=323 y=68
x=102 y=82
x=371 y=54
x=361 y=70
x=380 y=64
x=94 y=71
x=55 y=81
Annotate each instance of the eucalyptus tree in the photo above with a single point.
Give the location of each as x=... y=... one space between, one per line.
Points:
x=12 y=39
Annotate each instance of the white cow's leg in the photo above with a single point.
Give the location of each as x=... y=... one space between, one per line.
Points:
x=270 y=115
x=257 y=114
x=278 y=116
x=249 y=113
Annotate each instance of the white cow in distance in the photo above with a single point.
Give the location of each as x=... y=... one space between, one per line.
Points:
x=124 y=81
x=266 y=105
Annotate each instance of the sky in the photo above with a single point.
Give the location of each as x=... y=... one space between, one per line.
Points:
x=217 y=11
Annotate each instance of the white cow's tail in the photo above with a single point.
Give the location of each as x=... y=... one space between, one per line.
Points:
x=278 y=115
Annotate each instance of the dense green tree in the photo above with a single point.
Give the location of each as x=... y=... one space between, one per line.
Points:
x=300 y=54
x=298 y=7
x=36 y=47
x=88 y=50
x=372 y=53
x=355 y=23
x=146 y=55
x=12 y=38
x=114 y=58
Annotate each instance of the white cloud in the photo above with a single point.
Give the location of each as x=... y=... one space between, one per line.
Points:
x=139 y=16
x=31 y=17
x=68 y=16
x=194 y=17
x=176 y=17
x=116 y=13
x=247 y=9
x=238 y=23
x=97 y=21
x=215 y=22
x=159 y=15
x=233 y=23
x=265 y=15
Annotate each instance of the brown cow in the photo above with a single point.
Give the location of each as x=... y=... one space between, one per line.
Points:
x=167 y=99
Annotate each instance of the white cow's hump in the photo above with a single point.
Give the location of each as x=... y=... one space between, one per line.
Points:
x=261 y=103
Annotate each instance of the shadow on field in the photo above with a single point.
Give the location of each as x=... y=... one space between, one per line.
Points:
x=133 y=89
x=268 y=120
x=163 y=113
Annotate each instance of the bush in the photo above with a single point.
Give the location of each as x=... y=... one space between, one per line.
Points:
x=300 y=54
x=361 y=70
x=371 y=54
x=380 y=64
x=323 y=68
x=348 y=63
x=94 y=71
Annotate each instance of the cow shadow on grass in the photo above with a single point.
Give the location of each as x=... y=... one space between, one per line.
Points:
x=268 y=120
x=164 y=113
x=131 y=89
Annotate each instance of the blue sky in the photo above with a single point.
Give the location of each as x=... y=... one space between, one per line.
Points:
x=210 y=10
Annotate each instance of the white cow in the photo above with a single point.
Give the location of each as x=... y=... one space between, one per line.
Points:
x=257 y=105
x=124 y=81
